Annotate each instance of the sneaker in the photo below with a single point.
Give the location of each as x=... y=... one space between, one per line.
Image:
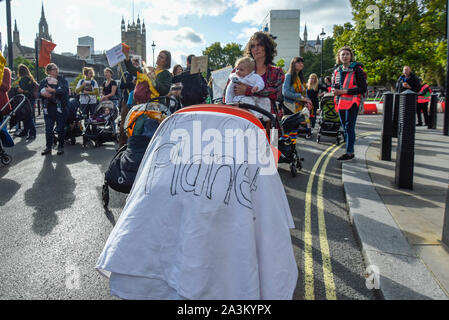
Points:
x=346 y=157
x=60 y=151
x=46 y=151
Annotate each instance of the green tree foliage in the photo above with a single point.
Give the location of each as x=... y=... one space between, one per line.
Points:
x=73 y=84
x=31 y=66
x=411 y=32
x=220 y=57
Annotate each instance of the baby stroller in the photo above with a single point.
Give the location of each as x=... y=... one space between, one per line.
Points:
x=73 y=127
x=20 y=112
x=329 y=120
x=101 y=127
x=141 y=123
x=288 y=133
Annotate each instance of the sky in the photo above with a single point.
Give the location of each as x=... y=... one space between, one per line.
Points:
x=181 y=26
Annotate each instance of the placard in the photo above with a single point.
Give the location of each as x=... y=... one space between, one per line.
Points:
x=115 y=55
x=219 y=79
x=199 y=64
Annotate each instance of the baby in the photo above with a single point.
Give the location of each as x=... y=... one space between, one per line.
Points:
x=103 y=117
x=52 y=83
x=245 y=74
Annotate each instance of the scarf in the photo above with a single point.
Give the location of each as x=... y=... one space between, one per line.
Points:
x=299 y=88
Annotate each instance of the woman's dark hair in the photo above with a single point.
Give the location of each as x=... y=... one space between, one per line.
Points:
x=292 y=70
x=23 y=71
x=167 y=59
x=265 y=39
x=175 y=68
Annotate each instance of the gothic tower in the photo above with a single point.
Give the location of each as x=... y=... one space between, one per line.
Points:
x=134 y=35
x=43 y=27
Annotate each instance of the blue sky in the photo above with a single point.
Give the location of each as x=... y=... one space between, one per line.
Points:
x=180 y=26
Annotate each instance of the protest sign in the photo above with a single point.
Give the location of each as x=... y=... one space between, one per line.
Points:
x=199 y=64
x=220 y=78
x=115 y=55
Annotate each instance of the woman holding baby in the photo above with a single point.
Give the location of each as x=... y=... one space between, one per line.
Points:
x=54 y=91
x=262 y=49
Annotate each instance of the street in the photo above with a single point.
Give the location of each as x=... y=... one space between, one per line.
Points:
x=54 y=227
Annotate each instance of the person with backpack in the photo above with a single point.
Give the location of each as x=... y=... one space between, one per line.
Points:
x=29 y=87
x=348 y=85
x=88 y=90
x=194 y=90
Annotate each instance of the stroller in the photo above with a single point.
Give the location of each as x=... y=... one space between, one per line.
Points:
x=20 y=112
x=141 y=123
x=101 y=127
x=74 y=127
x=289 y=128
x=329 y=120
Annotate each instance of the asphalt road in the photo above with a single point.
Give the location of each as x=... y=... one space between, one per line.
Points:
x=53 y=226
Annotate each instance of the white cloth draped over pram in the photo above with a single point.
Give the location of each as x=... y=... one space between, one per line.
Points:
x=201 y=229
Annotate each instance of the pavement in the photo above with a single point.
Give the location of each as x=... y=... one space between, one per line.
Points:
x=400 y=230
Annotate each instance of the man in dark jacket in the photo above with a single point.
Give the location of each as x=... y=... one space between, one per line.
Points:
x=408 y=81
x=194 y=89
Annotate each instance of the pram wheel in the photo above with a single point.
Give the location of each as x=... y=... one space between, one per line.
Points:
x=318 y=138
x=105 y=195
x=338 y=140
x=6 y=159
x=72 y=141
x=299 y=164
x=293 y=170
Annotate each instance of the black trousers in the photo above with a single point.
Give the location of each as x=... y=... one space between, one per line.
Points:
x=422 y=108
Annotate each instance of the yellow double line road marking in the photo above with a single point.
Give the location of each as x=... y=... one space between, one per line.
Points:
x=324 y=245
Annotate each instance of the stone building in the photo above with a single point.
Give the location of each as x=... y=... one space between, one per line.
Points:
x=306 y=45
x=135 y=36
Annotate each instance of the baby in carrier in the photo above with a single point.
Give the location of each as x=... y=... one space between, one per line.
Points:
x=52 y=83
x=104 y=117
x=245 y=74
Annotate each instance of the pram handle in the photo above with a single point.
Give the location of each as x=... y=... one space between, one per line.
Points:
x=166 y=101
x=13 y=112
x=258 y=109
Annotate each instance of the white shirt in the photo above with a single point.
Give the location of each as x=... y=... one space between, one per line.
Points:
x=86 y=98
x=252 y=79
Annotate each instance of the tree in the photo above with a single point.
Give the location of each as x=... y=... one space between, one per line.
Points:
x=75 y=81
x=31 y=66
x=312 y=61
x=410 y=32
x=220 y=57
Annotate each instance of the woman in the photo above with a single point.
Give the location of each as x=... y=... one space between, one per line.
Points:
x=88 y=90
x=348 y=86
x=177 y=70
x=294 y=89
x=54 y=91
x=109 y=87
x=27 y=86
x=313 y=93
x=262 y=48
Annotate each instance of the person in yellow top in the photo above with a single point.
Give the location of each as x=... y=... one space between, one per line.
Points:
x=294 y=90
x=88 y=90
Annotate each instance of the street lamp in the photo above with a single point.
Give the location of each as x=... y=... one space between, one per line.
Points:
x=153 y=46
x=322 y=35
x=8 y=27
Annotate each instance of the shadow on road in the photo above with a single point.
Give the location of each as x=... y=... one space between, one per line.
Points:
x=52 y=191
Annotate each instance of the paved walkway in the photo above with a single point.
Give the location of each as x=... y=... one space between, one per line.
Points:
x=401 y=230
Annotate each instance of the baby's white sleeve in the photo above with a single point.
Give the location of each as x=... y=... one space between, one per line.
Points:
x=258 y=82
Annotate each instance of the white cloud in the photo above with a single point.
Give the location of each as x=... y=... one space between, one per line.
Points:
x=315 y=13
x=247 y=33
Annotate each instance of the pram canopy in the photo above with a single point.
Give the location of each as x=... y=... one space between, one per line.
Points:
x=327 y=106
x=203 y=221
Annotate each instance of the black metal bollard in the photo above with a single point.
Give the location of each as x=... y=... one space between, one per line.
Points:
x=405 y=154
x=433 y=112
x=395 y=115
x=445 y=238
x=387 y=128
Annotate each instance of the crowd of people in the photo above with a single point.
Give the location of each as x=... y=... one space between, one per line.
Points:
x=255 y=80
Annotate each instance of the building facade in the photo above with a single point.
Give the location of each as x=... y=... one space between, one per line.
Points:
x=313 y=46
x=135 y=36
x=284 y=25
x=87 y=41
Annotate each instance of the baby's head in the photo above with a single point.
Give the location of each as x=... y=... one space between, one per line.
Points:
x=244 y=66
x=107 y=111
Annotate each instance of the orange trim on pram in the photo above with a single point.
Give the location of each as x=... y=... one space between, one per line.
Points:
x=153 y=114
x=235 y=111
